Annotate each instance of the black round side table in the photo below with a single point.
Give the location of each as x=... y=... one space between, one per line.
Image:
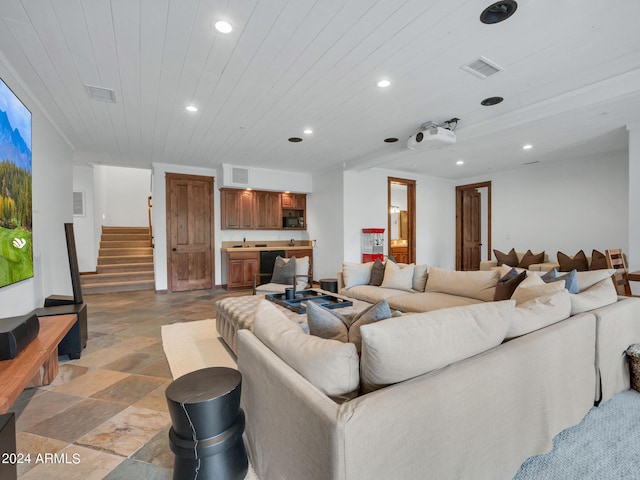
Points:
x=329 y=284
x=207 y=425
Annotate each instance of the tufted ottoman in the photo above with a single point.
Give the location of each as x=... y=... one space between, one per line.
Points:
x=236 y=313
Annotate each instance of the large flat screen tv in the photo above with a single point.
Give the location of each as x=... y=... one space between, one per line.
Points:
x=16 y=251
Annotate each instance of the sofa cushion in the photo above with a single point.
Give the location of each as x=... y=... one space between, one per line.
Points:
x=577 y=262
x=356 y=273
x=377 y=273
x=508 y=283
x=329 y=365
x=570 y=279
x=397 y=349
x=532 y=287
x=601 y=294
x=420 y=275
x=510 y=258
x=370 y=294
x=598 y=261
x=428 y=301
x=398 y=277
x=589 y=279
x=326 y=323
x=529 y=259
x=283 y=271
x=539 y=312
x=477 y=284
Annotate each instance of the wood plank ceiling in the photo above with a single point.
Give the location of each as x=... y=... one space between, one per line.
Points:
x=571 y=80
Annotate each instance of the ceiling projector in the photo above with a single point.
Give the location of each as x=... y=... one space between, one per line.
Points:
x=431 y=134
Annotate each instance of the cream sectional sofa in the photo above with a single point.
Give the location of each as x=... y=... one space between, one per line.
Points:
x=466 y=410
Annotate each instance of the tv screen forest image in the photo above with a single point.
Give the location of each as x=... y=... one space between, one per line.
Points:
x=16 y=251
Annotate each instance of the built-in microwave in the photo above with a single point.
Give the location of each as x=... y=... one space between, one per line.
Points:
x=292 y=222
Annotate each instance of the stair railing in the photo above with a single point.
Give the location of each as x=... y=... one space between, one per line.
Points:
x=150 y=226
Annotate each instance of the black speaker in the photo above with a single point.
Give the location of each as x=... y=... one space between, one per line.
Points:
x=8 y=469
x=16 y=333
x=73 y=263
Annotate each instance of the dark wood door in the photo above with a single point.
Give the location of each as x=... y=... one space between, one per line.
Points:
x=189 y=232
x=471 y=229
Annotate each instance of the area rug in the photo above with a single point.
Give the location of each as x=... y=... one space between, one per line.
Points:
x=604 y=446
x=191 y=346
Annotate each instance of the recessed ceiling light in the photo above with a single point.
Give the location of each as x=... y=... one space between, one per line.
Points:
x=460 y=162
x=223 y=27
x=528 y=146
x=191 y=108
x=383 y=83
x=295 y=139
x=487 y=102
x=307 y=131
x=391 y=140
x=498 y=12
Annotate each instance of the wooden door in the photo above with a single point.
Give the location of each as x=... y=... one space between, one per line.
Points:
x=189 y=232
x=471 y=229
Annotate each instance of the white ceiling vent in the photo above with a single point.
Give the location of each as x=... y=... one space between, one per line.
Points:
x=101 y=94
x=240 y=176
x=482 y=68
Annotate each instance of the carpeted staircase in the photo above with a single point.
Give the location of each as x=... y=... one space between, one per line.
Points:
x=125 y=262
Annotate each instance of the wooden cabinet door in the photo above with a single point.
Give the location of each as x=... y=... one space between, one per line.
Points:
x=267 y=211
x=300 y=201
x=251 y=266
x=235 y=273
x=240 y=268
x=237 y=209
x=189 y=232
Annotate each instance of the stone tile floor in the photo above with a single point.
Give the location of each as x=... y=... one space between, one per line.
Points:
x=105 y=415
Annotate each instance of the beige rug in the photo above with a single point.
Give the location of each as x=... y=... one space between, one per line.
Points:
x=191 y=346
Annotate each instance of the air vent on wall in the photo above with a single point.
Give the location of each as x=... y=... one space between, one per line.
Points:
x=240 y=176
x=482 y=68
x=101 y=94
x=78 y=204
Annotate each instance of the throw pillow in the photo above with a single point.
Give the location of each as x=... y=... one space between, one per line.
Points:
x=283 y=271
x=420 y=275
x=529 y=259
x=578 y=262
x=373 y=314
x=330 y=325
x=399 y=277
x=589 y=279
x=325 y=323
x=507 y=284
x=480 y=284
x=356 y=273
x=532 y=287
x=598 y=261
x=377 y=273
x=570 y=279
x=510 y=258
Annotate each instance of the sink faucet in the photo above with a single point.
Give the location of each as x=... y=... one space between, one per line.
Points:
x=244 y=241
x=292 y=243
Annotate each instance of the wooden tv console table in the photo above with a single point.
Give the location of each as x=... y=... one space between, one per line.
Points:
x=37 y=364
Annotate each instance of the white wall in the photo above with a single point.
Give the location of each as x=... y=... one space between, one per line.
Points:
x=365 y=205
x=325 y=219
x=52 y=207
x=561 y=206
x=123 y=193
x=84 y=227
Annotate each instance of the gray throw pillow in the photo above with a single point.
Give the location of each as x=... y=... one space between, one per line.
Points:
x=377 y=273
x=373 y=314
x=283 y=271
x=570 y=279
x=325 y=323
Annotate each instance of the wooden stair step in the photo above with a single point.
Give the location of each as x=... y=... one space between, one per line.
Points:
x=124 y=244
x=115 y=277
x=125 y=267
x=120 y=252
x=118 y=237
x=118 y=230
x=118 y=287
x=118 y=259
